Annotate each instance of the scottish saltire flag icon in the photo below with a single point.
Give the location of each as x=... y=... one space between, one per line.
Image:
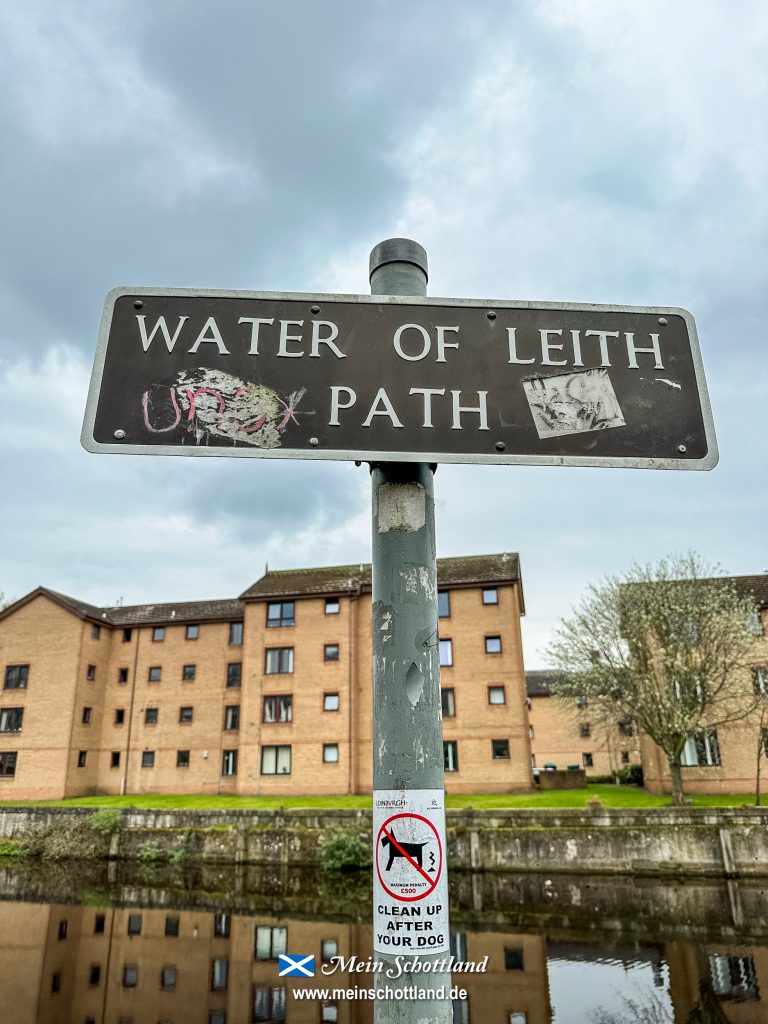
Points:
x=295 y=966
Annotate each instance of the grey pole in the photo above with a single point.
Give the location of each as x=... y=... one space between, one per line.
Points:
x=407 y=721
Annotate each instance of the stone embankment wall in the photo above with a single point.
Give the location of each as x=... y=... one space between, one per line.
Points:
x=659 y=841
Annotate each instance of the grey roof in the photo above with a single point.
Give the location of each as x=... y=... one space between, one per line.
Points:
x=345 y=579
x=538 y=683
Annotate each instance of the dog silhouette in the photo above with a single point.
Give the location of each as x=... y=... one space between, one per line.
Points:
x=412 y=849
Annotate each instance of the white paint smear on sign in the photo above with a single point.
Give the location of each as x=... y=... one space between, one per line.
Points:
x=572 y=403
x=410 y=884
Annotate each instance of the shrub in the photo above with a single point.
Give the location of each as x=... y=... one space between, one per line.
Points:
x=150 y=852
x=599 y=780
x=341 y=850
x=69 y=838
x=106 y=820
x=631 y=775
x=594 y=804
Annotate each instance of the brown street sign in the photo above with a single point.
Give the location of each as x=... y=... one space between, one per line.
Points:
x=407 y=379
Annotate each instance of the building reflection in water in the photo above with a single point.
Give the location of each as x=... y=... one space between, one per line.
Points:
x=73 y=964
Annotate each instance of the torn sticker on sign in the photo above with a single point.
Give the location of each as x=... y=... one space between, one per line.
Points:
x=214 y=404
x=572 y=403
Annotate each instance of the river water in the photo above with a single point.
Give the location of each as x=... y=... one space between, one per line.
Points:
x=131 y=944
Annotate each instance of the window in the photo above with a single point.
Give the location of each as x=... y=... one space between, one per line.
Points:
x=168 y=978
x=235 y=633
x=56 y=981
x=331 y=652
x=331 y=606
x=90 y=673
x=186 y=714
x=329 y=948
x=182 y=759
x=626 y=728
x=499 y=749
x=450 y=755
x=585 y=730
x=329 y=1012
x=229 y=762
x=330 y=753
x=702 y=750
x=192 y=632
x=586 y=761
x=513 y=958
x=279 y=660
x=490 y=595
x=63 y=929
x=493 y=645
x=188 y=673
x=268 y=1004
x=269 y=943
x=122 y=675
x=497 y=695
x=82 y=757
x=127 y=635
x=16 y=677
x=94 y=974
x=518 y=1017
x=95 y=632
x=278 y=708
x=99 y=923
x=754 y=623
x=219 y=974
x=276 y=760
x=158 y=634
x=130 y=976
x=232 y=716
x=7 y=763
x=155 y=674
x=280 y=613
x=448 y=702
x=87 y=716
x=119 y=716
x=581 y=703
x=625 y=757
x=150 y=716
x=147 y=759
x=134 y=924
x=172 y=925
x=234 y=673
x=760 y=681
x=446 y=653
x=443 y=604
x=114 y=759
x=530 y=735
x=734 y=977
x=330 y=702
x=11 y=719
x=217 y=1017
x=221 y=925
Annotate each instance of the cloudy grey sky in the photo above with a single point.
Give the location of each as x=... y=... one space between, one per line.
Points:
x=568 y=150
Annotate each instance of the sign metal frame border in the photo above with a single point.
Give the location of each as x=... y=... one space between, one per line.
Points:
x=348 y=455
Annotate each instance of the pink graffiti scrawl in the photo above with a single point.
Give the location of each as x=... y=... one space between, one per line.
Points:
x=214 y=404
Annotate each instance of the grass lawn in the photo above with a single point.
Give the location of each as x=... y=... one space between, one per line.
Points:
x=609 y=795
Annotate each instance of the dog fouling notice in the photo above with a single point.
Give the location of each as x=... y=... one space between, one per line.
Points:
x=410 y=887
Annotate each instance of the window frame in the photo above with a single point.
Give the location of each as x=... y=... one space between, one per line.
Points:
x=330 y=602
x=489 y=643
x=280 y=703
x=327 y=749
x=490 y=595
x=495 y=688
x=16 y=677
x=231 y=711
x=180 y=760
x=148 y=759
x=236 y=633
x=280 y=657
x=188 y=673
x=15 y=716
x=448 y=701
x=229 y=762
x=284 y=619
x=446 y=603
x=331 y=694
x=234 y=678
x=278 y=749
x=445 y=647
x=328 y=650
x=500 y=750
x=151 y=715
x=9 y=760
x=158 y=634
x=186 y=714
x=450 y=755
x=155 y=674
x=192 y=631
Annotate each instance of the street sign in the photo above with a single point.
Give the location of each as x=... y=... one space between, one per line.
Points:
x=391 y=378
x=410 y=887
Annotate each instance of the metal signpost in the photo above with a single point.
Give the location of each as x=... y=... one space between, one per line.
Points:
x=403 y=382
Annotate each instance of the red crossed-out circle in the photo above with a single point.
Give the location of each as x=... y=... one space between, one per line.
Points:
x=432 y=881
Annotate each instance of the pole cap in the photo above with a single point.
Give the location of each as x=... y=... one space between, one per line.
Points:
x=398 y=250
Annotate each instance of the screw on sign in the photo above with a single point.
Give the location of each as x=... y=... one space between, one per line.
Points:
x=413 y=866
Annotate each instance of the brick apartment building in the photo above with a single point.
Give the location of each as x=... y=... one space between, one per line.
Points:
x=724 y=760
x=567 y=735
x=269 y=693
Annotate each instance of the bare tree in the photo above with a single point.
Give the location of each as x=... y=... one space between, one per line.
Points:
x=665 y=647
